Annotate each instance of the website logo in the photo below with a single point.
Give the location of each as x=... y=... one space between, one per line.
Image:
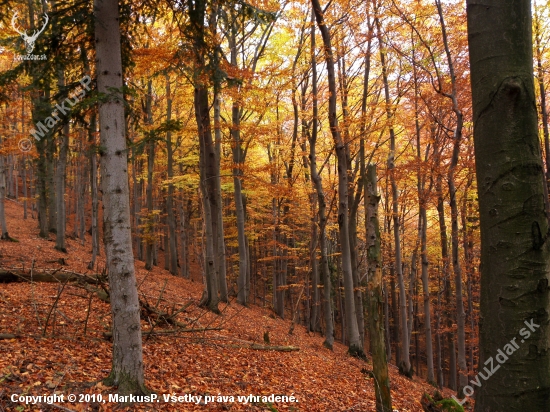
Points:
x=29 y=39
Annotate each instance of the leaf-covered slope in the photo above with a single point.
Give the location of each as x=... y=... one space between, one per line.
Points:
x=61 y=347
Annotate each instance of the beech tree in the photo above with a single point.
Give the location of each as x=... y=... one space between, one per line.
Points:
x=355 y=347
x=512 y=207
x=127 y=366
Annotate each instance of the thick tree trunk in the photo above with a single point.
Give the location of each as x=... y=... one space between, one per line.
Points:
x=127 y=367
x=515 y=253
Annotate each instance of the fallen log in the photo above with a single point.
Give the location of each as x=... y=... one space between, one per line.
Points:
x=109 y=335
x=49 y=276
x=8 y=336
x=256 y=346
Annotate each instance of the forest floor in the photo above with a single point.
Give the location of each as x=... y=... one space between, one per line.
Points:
x=61 y=348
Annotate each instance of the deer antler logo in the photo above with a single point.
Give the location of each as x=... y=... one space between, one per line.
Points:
x=29 y=40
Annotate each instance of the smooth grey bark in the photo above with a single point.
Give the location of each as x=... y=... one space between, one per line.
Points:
x=207 y=152
x=447 y=290
x=25 y=188
x=354 y=338
x=217 y=209
x=127 y=366
x=24 y=159
x=422 y=230
x=354 y=191
x=318 y=185
x=94 y=191
x=375 y=299
x=468 y=245
x=184 y=223
x=219 y=235
x=51 y=200
x=61 y=222
x=150 y=239
x=457 y=269
x=3 y=225
x=515 y=253
x=170 y=215
x=404 y=365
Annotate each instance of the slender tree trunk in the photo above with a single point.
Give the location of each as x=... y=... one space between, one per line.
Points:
x=515 y=252
x=150 y=232
x=170 y=216
x=316 y=179
x=94 y=190
x=219 y=236
x=3 y=225
x=446 y=284
x=405 y=363
x=542 y=92
x=127 y=366
x=426 y=292
x=422 y=231
x=375 y=299
x=61 y=223
x=238 y=162
x=208 y=170
x=50 y=181
x=354 y=338
x=25 y=189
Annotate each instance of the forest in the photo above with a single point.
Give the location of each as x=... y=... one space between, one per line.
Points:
x=260 y=205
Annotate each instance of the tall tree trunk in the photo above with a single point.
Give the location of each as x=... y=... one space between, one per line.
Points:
x=426 y=293
x=238 y=161
x=515 y=253
x=3 y=225
x=151 y=219
x=316 y=179
x=375 y=299
x=542 y=91
x=447 y=290
x=218 y=211
x=170 y=216
x=457 y=269
x=25 y=189
x=354 y=338
x=94 y=190
x=404 y=365
x=127 y=366
x=61 y=223
x=208 y=170
x=50 y=182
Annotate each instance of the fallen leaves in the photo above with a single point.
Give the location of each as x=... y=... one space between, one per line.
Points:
x=232 y=360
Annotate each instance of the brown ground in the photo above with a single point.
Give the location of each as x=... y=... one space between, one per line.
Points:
x=64 y=360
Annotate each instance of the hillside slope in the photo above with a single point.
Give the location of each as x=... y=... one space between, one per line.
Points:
x=61 y=347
